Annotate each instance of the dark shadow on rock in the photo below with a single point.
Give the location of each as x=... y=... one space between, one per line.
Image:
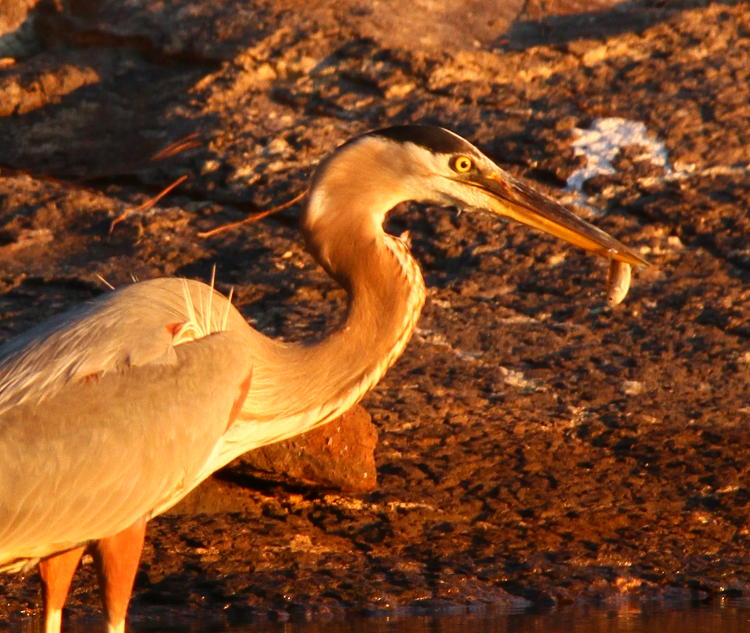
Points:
x=91 y=114
x=561 y=21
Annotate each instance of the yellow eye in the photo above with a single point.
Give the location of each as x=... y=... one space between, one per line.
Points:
x=461 y=164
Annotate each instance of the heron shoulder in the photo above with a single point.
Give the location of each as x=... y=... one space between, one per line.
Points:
x=135 y=326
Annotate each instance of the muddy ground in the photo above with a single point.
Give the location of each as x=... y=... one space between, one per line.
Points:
x=535 y=445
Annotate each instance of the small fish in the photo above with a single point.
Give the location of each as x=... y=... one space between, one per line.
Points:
x=618 y=282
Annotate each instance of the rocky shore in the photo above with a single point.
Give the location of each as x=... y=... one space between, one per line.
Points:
x=534 y=445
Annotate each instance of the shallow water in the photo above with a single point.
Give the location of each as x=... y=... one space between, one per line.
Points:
x=720 y=616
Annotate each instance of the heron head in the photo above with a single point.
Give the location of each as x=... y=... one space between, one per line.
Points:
x=436 y=165
x=355 y=188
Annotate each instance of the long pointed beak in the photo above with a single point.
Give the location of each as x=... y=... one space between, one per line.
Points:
x=514 y=199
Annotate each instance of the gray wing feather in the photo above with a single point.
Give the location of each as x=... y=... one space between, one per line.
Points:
x=125 y=328
x=83 y=459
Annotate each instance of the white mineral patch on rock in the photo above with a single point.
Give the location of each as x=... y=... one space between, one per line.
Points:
x=601 y=143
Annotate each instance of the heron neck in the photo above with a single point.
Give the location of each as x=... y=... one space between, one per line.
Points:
x=386 y=293
x=298 y=387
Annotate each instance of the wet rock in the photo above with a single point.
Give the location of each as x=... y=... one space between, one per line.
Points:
x=340 y=454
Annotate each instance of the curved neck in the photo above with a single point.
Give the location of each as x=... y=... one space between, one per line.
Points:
x=343 y=228
x=297 y=387
x=385 y=298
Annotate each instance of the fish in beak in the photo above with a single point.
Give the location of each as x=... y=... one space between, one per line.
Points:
x=512 y=198
x=504 y=195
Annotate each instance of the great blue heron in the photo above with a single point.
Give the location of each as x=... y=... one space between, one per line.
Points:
x=114 y=411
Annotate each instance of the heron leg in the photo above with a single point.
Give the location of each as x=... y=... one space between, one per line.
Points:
x=56 y=572
x=117 y=559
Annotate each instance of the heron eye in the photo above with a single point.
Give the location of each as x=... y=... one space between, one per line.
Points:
x=461 y=164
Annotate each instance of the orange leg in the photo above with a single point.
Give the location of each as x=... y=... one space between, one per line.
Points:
x=57 y=572
x=117 y=560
